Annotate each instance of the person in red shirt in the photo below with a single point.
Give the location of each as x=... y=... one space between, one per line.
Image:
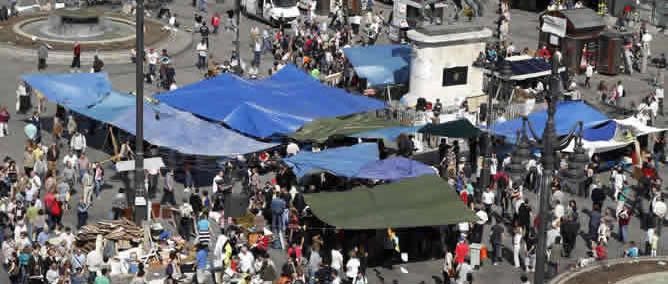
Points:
x=76 y=59
x=461 y=251
x=215 y=22
x=544 y=53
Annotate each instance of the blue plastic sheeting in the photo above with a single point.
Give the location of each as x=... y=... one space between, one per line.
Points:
x=163 y=125
x=529 y=66
x=343 y=161
x=388 y=134
x=381 y=64
x=566 y=117
x=280 y=104
x=76 y=90
x=600 y=132
x=395 y=168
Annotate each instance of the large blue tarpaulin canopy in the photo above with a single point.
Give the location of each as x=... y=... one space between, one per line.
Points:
x=600 y=131
x=395 y=168
x=281 y=103
x=343 y=161
x=163 y=125
x=525 y=67
x=566 y=117
x=74 y=90
x=381 y=64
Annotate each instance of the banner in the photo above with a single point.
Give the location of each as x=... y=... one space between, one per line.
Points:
x=554 y=25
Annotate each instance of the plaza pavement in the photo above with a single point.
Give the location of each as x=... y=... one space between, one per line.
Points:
x=523 y=33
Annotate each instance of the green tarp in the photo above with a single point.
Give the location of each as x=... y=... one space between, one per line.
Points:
x=321 y=129
x=461 y=128
x=418 y=202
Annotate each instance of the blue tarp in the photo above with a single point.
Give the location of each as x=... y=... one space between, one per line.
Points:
x=600 y=132
x=163 y=125
x=395 y=168
x=381 y=64
x=566 y=117
x=76 y=89
x=388 y=134
x=280 y=104
x=343 y=161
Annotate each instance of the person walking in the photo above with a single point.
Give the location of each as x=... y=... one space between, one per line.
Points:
x=496 y=238
x=215 y=22
x=42 y=56
x=76 y=59
x=202 y=50
x=98 y=64
x=589 y=72
x=4 y=120
x=517 y=245
x=168 y=190
x=204 y=32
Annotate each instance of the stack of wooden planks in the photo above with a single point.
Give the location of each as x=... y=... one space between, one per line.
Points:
x=124 y=232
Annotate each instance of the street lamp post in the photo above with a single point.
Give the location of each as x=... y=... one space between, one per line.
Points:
x=138 y=193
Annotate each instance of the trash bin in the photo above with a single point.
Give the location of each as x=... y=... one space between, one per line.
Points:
x=475 y=254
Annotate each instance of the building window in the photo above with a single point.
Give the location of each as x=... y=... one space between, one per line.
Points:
x=455 y=76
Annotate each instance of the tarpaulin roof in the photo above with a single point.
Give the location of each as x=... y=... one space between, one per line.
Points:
x=75 y=90
x=163 y=125
x=281 y=103
x=343 y=161
x=566 y=117
x=461 y=128
x=600 y=131
x=417 y=202
x=526 y=67
x=394 y=168
x=387 y=134
x=321 y=129
x=381 y=64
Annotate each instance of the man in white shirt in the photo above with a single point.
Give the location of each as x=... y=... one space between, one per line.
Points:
x=352 y=267
x=202 y=50
x=217 y=182
x=246 y=260
x=658 y=95
x=78 y=143
x=558 y=209
x=488 y=200
x=70 y=158
x=152 y=59
x=589 y=72
x=337 y=260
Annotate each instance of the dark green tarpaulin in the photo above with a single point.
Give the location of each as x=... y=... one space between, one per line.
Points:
x=461 y=128
x=321 y=129
x=418 y=202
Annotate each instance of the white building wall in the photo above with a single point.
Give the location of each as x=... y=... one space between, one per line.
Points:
x=427 y=73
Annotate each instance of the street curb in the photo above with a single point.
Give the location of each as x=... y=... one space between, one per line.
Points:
x=176 y=43
x=567 y=275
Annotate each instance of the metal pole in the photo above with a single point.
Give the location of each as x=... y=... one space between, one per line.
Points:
x=549 y=136
x=139 y=193
x=237 y=9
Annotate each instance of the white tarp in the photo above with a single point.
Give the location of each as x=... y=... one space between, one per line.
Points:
x=632 y=124
x=149 y=164
x=554 y=25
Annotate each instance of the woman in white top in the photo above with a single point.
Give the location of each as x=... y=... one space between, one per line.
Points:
x=517 y=244
x=337 y=260
x=352 y=266
x=603 y=232
x=448 y=267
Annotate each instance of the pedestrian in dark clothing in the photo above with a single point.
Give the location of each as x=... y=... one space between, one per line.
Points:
x=42 y=55
x=496 y=238
x=204 y=32
x=524 y=216
x=598 y=195
x=594 y=222
x=569 y=232
x=98 y=64
x=196 y=202
x=76 y=59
